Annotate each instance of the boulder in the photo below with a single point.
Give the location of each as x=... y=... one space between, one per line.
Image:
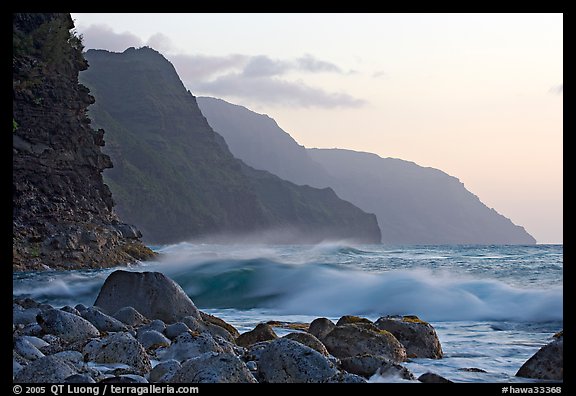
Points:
x=48 y=369
x=194 y=323
x=24 y=316
x=68 y=327
x=213 y=367
x=432 y=378
x=320 y=327
x=31 y=329
x=26 y=349
x=152 y=339
x=227 y=346
x=80 y=379
x=164 y=371
x=37 y=342
x=190 y=345
x=262 y=332
x=354 y=339
x=207 y=318
x=254 y=351
x=118 y=348
x=309 y=340
x=395 y=370
x=156 y=325
x=175 y=329
x=365 y=365
x=345 y=378
x=16 y=367
x=129 y=316
x=74 y=358
x=152 y=294
x=350 y=319
x=102 y=321
x=69 y=309
x=287 y=361
x=218 y=331
x=418 y=337
x=547 y=363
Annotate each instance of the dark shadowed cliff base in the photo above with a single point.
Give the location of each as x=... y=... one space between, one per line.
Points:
x=414 y=204
x=62 y=210
x=175 y=178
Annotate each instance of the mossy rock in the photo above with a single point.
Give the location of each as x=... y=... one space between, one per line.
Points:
x=413 y=319
x=418 y=337
x=350 y=319
x=289 y=325
x=138 y=251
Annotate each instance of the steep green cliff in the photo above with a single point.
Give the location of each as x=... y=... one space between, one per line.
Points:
x=175 y=178
x=62 y=211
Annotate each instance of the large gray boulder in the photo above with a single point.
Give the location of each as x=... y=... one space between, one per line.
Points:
x=152 y=294
x=213 y=367
x=118 y=348
x=418 y=337
x=48 y=369
x=547 y=363
x=287 y=361
x=357 y=339
x=68 y=327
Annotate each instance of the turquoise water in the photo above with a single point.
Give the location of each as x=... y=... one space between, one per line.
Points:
x=492 y=306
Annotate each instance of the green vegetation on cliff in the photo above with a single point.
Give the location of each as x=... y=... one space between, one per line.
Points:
x=175 y=178
x=62 y=210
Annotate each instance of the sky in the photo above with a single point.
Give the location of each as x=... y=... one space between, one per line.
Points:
x=479 y=96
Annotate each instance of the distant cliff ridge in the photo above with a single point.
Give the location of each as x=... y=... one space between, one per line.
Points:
x=175 y=178
x=62 y=211
x=414 y=204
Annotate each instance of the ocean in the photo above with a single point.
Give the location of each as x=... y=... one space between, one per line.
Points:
x=492 y=306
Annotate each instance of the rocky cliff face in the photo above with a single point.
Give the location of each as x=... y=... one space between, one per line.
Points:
x=175 y=178
x=62 y=210
x=414 y=204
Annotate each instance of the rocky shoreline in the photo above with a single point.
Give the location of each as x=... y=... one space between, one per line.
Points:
x=143 y=328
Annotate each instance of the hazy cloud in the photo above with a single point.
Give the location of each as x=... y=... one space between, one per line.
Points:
x=103 y=37
x=380 y=74
x=263 y=66
x=160 y=42
x=201 y=67
x=275 y=91
x=258 y=78
x=558 y=89
x=311 y=64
